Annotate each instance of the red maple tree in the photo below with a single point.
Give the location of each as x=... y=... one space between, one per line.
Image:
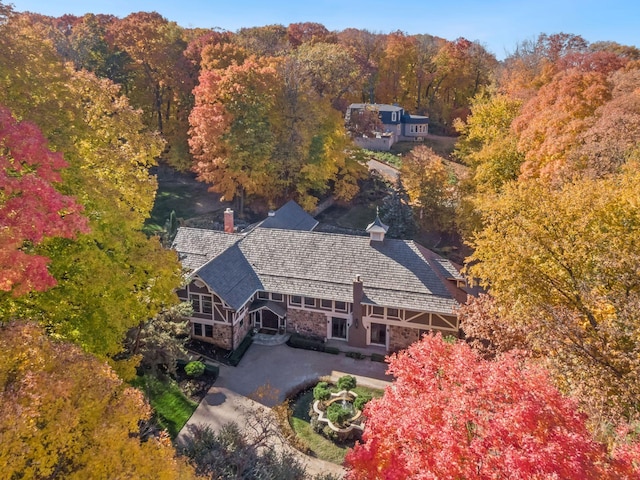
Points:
x=31 y=209
x=450 y=415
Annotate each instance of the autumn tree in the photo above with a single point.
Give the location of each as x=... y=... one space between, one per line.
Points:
x=331 y=71
x=31 y=209
x=269 y=40
x=259 y=128
x=367 y=50
x=487 y=143
x=567 y=272
x=66 y=414
x=396 y=75
x=449 y=414
x=430 y=186
x=231 y=134
x=114 y=277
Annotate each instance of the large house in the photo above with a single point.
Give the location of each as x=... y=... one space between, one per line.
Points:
x=397 y=124
x=282 y=275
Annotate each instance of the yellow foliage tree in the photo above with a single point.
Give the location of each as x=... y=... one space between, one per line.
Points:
x=66 y=414
x=564 y=262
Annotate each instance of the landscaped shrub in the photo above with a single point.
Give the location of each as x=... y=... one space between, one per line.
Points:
x=321 y=391
x=338 y=414
x=332 y=350
x=377 y=357
x=212 y=370
x=347 y=382
x=361 y=401
x=238 y=353
x=356 y=355
x=194 y=369
x=297 y=341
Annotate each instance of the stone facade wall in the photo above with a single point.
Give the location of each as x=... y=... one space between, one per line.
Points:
x=239 y=332
x=222 y=336
x=401 y=337
x=306 y=322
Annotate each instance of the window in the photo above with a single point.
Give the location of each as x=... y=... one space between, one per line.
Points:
x=393 y=313
x=277 y=297
x=295 y=300
x=378 y=334
x=208 y=331
x=341 y=306
x=195 y=302
x=197 y=329
x=206 y=304
x=377 y=311
x=326 y=304
x=263 y=295
x=339 y=328
x=309 y=302
x=393 y=116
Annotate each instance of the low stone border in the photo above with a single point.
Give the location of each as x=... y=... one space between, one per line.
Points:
x=341 y=395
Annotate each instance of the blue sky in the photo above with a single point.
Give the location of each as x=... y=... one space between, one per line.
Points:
x=498 y=24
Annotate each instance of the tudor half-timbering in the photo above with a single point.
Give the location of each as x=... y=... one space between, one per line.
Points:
x=281 y=275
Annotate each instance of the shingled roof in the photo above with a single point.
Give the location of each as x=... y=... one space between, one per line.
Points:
x=290 y=216
x=315 y=264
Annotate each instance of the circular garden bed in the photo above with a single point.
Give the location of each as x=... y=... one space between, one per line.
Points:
x=335 y=424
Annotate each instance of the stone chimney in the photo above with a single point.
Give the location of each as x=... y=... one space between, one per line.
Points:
x=228 y=221
x=377 y=229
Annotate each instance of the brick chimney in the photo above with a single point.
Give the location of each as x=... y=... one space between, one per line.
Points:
x=228 y=221
x=357 y=331
x=358 y=293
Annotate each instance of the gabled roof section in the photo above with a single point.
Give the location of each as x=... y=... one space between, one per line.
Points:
x=196 y=246
x=290 y=216
x=231 y=276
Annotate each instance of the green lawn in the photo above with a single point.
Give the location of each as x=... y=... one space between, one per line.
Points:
x=358 y=217
x=322 y=447
x=172 y=408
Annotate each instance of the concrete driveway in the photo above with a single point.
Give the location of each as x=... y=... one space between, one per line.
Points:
x=268 y=374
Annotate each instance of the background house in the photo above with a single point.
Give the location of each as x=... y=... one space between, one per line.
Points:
x=395 y=125
x=361 y=290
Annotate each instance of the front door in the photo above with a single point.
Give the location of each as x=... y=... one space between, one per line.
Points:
x=270 y=320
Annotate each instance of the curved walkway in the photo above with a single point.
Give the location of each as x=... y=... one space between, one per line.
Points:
x=271 y=373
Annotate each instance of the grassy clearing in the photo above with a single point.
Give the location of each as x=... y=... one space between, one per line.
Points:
x=357 y=217
x=443 y=146
x=321 y=446
x=172 y=408
x=181 y=198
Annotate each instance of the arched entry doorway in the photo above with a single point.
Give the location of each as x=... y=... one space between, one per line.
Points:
x=268 y=315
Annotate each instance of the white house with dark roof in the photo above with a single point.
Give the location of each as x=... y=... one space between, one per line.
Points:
x=362 y=290
x=397 y=125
